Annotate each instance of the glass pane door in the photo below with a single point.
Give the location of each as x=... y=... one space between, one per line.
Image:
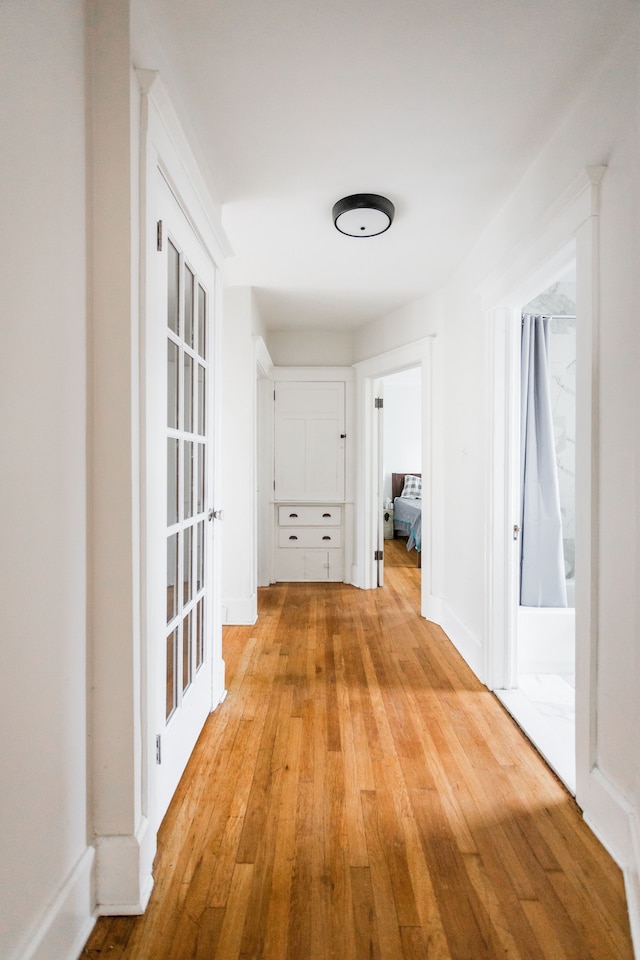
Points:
x=187 y=465
x=183 y=590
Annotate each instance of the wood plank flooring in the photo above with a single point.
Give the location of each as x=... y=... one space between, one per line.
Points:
x=360 y=795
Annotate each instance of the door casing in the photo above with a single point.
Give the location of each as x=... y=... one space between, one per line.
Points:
x=420 y=353
x=569 y=233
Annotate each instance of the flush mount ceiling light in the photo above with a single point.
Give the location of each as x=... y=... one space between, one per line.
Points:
x=363 y=215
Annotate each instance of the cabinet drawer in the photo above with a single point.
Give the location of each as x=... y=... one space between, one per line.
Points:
x=309 y=565
x=297 y=516
x=296 y=537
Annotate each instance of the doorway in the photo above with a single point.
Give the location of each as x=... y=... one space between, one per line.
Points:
x=423 y=354
x=542 y=698
x=399 y=456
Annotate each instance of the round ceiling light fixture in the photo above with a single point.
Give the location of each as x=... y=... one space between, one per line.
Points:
x=363 y=215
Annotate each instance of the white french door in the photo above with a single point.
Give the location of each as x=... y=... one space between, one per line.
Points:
x=182 y=422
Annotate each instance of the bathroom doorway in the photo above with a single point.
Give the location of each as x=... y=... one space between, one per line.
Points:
x=542 y=699
x=567 y=235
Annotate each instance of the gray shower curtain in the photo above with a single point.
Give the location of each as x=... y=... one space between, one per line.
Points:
x=542 y=579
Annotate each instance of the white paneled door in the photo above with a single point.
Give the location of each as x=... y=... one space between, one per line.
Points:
x=309 y=434
x=184 y=421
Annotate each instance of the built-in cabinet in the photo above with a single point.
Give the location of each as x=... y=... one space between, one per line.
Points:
x=309 y=479
x=310 y=542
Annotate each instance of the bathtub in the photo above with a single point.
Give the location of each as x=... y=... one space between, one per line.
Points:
x=547 y=637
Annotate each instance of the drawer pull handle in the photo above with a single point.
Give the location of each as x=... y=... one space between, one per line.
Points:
x=293 y=514
x=326 y=538
x=292 y=537
x=326 y=514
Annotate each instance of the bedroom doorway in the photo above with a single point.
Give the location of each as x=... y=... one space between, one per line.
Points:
x=399 y=471
x=422 y=354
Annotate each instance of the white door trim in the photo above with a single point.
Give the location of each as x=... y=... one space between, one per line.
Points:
x=263 y=462
x=420 y=353
x=569 y=231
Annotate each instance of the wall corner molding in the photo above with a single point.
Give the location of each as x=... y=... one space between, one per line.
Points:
x=123 y=872
x=162 y=130
x=146 y=79
x=262 y=356
x=433 y=608
x=544 y=243
x=240 y=611
x=614 y=821
x=462 y=638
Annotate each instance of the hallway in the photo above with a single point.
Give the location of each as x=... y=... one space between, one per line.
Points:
x=359 y=794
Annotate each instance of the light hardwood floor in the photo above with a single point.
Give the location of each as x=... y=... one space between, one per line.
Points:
x=360 y=795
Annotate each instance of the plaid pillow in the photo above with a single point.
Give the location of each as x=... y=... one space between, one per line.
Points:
x=412 y=487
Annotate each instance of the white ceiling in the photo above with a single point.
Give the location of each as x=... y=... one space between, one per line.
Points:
x=438 y=104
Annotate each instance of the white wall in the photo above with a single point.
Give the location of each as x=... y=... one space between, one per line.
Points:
x=310 y=348
x=402 y=425
x=239 y=528
x=45 y=865
x=411 y=322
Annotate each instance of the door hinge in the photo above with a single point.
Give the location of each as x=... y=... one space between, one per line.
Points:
x=378 y=403
x=516 y=531
x=159 y=236
x=158 y=749
x=378 y=555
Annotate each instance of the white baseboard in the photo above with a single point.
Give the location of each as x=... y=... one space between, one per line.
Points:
x=467 y=645
x=218 y=688
x=64 y=928
x=123 y=877
x=432 y=608
x=608 y=814
x=612 y=818
x=240 y=611
x=632 y=884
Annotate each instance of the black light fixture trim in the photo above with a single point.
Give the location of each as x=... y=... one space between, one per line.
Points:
x=367 y=226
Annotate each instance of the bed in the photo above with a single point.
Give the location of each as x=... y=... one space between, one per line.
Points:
x=407 y=510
